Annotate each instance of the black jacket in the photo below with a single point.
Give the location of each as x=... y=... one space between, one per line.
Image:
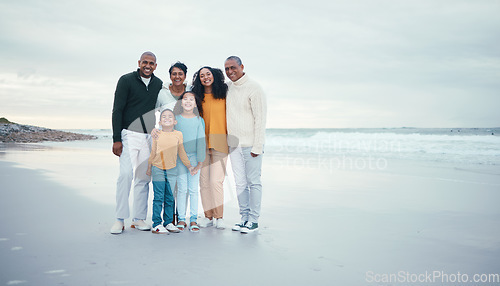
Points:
x=134 y=104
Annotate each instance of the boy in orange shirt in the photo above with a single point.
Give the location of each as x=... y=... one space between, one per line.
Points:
x=161 y=165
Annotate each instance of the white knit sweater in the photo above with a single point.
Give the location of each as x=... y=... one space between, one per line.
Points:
x=246 y=114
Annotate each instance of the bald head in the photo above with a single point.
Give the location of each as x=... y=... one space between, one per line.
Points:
x=148 y=54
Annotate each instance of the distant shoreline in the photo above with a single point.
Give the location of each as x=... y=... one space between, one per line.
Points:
x=18 y=133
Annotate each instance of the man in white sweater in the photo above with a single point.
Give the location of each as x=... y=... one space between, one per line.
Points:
x=246 y=124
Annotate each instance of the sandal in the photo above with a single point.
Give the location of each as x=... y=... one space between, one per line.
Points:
x=194 y=227
x=181 y=225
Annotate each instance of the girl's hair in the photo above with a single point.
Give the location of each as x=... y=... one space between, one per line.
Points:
x=219 y=87
x=178 y=65
x=198 y=110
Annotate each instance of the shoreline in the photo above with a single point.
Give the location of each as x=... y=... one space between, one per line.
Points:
x=19 y=133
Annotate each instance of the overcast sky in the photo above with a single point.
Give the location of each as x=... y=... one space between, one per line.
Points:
x=323 y=64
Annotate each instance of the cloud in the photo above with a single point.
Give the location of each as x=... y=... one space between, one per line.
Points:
x=375 y=63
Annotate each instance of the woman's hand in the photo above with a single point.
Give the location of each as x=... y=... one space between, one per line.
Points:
x=196 y=169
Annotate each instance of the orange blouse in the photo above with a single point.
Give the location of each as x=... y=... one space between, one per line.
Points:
x=214 y=114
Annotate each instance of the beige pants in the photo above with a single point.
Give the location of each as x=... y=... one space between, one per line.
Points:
x=212 y=175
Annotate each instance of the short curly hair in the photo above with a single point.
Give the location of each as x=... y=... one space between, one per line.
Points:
x=178 y=65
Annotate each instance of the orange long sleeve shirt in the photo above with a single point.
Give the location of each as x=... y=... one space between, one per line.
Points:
x=165 y=149
x=214 y=114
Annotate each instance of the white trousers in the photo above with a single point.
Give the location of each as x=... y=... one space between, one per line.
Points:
x=247 y=171
x=133 y=167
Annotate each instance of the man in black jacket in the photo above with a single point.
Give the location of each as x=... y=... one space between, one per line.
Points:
x=133 y=118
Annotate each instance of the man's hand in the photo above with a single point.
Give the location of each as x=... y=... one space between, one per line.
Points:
x=155 y=133
x=254 y=155
x=117 y=148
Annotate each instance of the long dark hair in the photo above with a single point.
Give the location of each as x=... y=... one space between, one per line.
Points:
x=198 y=110
x=219 y=87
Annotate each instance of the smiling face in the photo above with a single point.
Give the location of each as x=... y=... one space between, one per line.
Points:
x=167 y=119
x=188 y=102
x=206 y=77
x=147 y=65
x=234 y=71
x=177 y=76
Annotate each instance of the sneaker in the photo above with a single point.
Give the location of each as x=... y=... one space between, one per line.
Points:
x=219 y=223
x=238 y=226
x=250 y=227
x=172 y=228
x=160 y=229
x=205 y=222
x=140 y=225
x=117 y=227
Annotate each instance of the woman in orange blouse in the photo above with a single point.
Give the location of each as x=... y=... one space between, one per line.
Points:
x=208 y=84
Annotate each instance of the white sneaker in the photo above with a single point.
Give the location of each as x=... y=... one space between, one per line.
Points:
x=172 y=228
x=250 y=227
x=219 y=223
x=205 y=222
x=140 y=225
x=160 y=229
x=117 y=227
x=238 y=226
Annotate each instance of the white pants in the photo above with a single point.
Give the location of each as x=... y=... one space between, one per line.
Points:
x=133 y=167
x=247 y=171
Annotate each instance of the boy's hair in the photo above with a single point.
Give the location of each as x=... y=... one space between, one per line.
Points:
x=197 y=110
x=166 y=109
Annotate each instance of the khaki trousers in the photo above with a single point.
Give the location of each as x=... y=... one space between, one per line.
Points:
x=212 y=175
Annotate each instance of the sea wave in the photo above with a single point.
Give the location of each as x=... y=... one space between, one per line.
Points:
x=476 y=149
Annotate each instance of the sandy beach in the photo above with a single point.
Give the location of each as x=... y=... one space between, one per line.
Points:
x=381 y=162
x=321 y=224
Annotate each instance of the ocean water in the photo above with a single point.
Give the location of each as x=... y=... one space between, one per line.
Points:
x=465 y=145
x=458 y=145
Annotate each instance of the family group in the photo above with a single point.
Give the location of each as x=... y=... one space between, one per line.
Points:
x=199 y=126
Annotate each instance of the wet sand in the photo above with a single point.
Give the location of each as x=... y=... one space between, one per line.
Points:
x=319 y=226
